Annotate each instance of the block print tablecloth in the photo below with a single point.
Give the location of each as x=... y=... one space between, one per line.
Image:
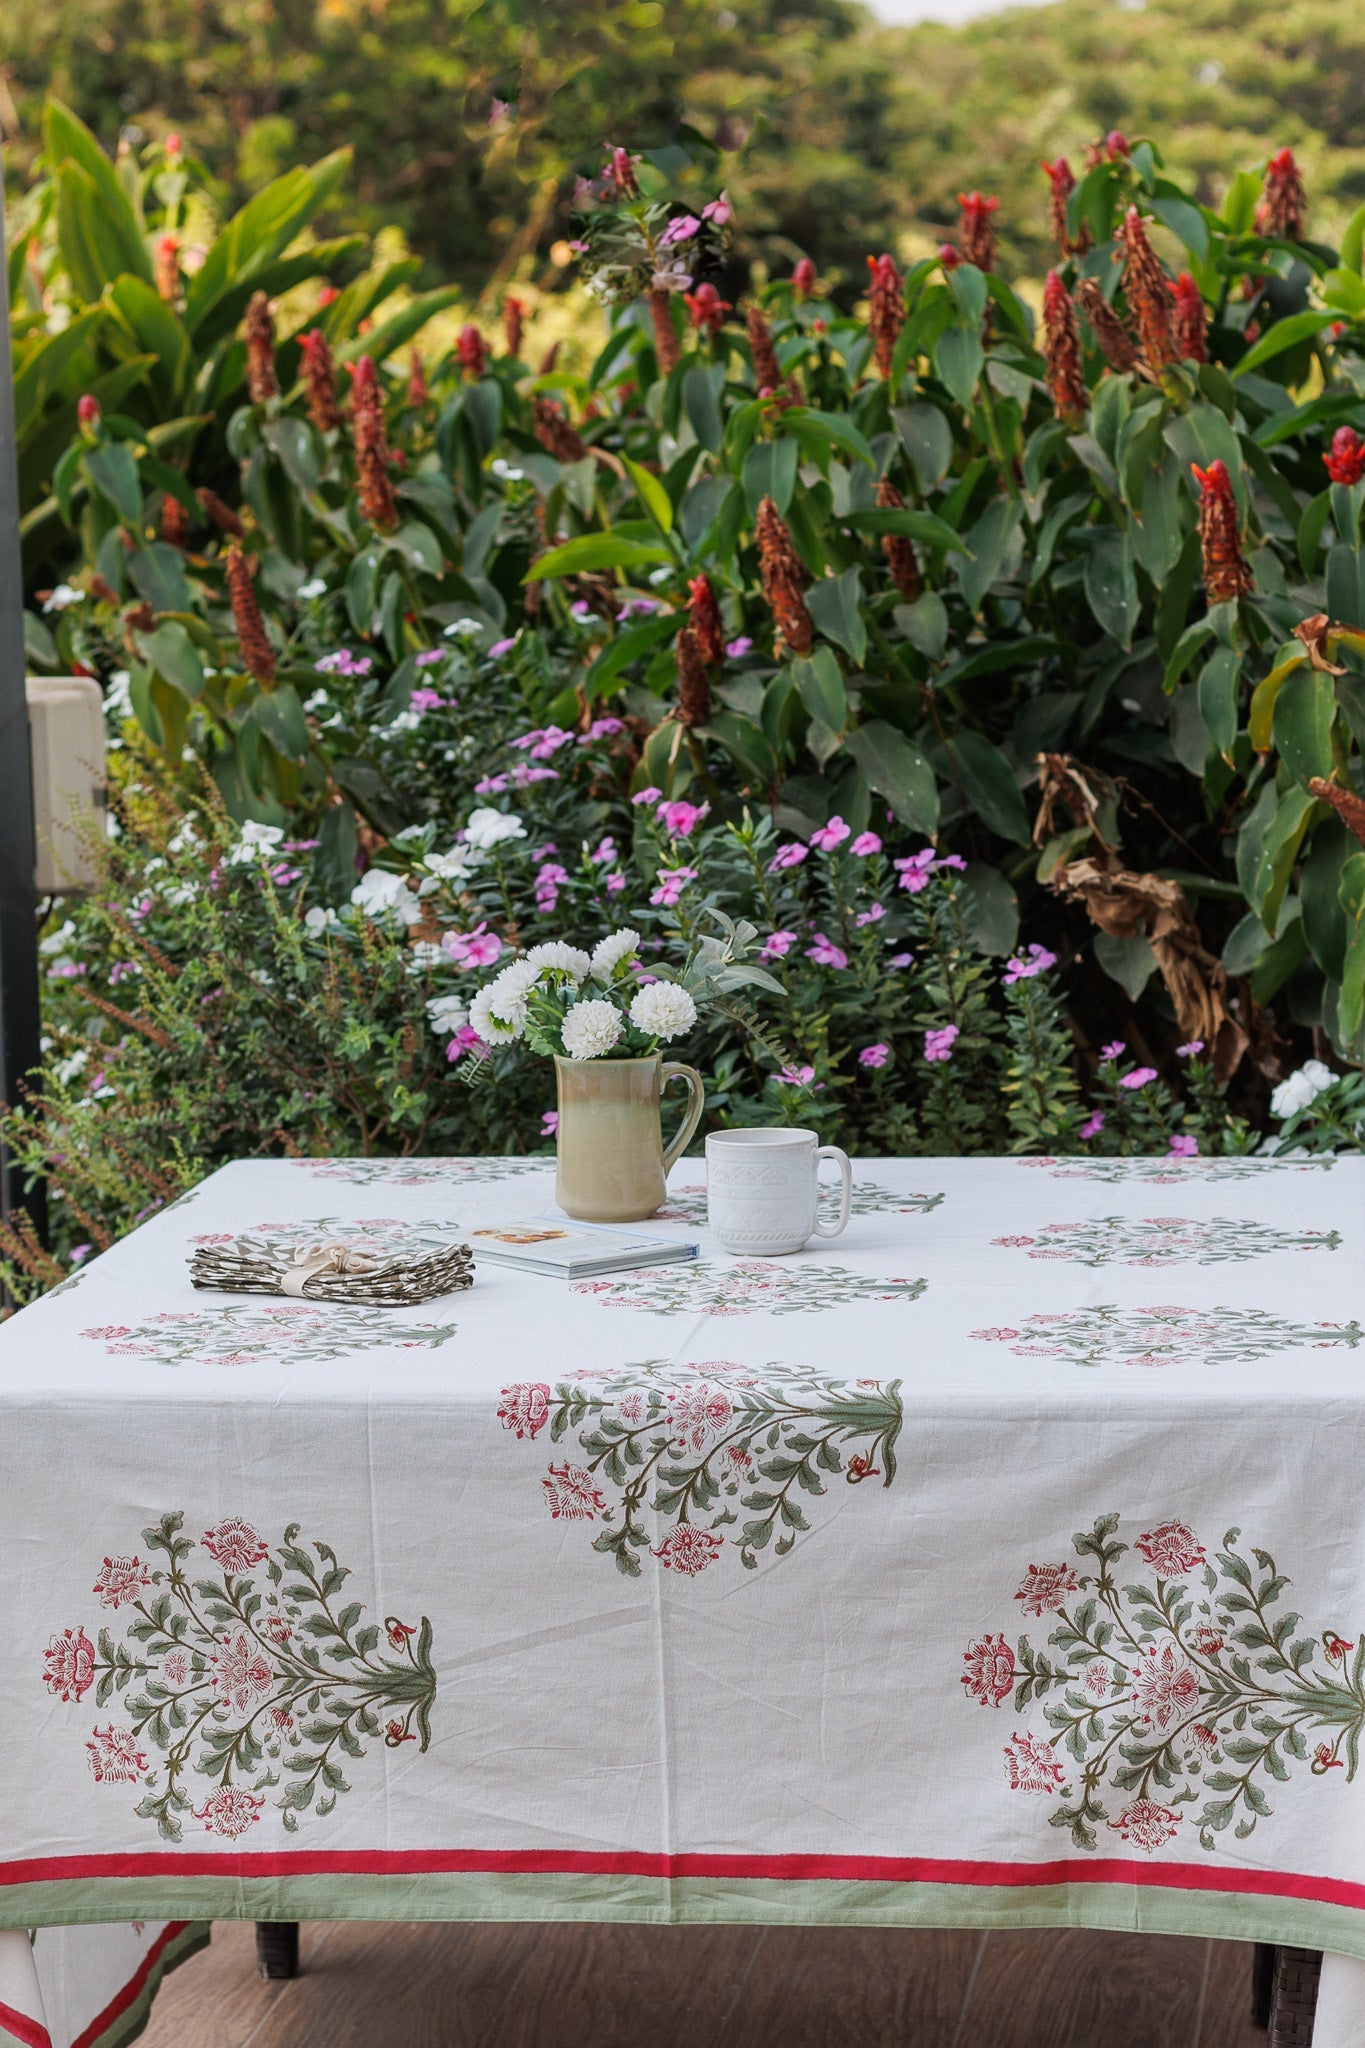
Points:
x=1001 y=1563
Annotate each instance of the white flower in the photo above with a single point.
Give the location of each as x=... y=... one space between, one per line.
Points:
x=1300 y=1089
x=381 y=893
x=463 y=629
x=66 y=593
x=608 y=953
x=498 y=1012
x=256 y=841
x=423 y=957
x=571 y=960
x=186 y=839
x=315 y=587
x=663 y=1010
x=118 y=702
x=405 y=721
x=453 y=866
x=67 y=1070
x=319 y=919
x=446 y=1014
x=503 y=469
x=487 y=827
x=56 y=942
x=590 y=1029
x=657 y=576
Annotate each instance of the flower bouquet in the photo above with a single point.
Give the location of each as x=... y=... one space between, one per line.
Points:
x=602 y=1017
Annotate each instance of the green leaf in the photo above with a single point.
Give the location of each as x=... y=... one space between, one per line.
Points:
x=701 y=389
x=925 y=623
x=1305 y=711
x=991 y=909
x=651 y=494
x=157 y=573
x=1351 y=1002
x=1218 y=685
x=822 y=688
x=255 y=236
x=925 y=527
x=1285 y=334
x=1278 y=852
x=770 y=472
x=39 y=372
x=927 y=438
x=1111 y=587
x=898 y=771
x=1185 y=222
x=1186 y=647
x=1129 y=962
x=295 y=443
x=958 y=357
x=990 y=785
x=596 y=551
x=157 y=328
x=70 y=143
x=628 y=646
x=279 y=714
x=833 y=604
x=111 y=470
x=1346 y=586
x=990 y=540
x=173 y=654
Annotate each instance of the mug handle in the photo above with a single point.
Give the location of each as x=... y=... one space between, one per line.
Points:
x=674 y=1071
x=845 y=1192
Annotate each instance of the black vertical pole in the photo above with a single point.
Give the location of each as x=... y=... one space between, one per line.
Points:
x=19 y=1018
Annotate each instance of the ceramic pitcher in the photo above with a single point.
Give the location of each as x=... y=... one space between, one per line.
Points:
x=612 y=1158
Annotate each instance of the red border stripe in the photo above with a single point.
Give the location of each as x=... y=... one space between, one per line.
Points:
x=132 y=1990
x=31 y=2032
x=1197 y=1877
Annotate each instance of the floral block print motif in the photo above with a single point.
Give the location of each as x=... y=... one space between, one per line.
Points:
x=1165 y=1241
x=243 y=1686
x=684 y=1460
x=1165 y=1335
x=1164 y=1171
x=1175 y=1689
x=745 y=1287
x=243 y=1333
x=420 y=1173
x=688 y=1205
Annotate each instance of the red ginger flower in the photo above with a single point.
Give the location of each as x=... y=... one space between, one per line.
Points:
x=694 y=689
x=320 y=381
x=328 y=296
x=1346 y=463
x=767 y=370
x=1061 y=185
x=1191 y=320
x=949 y=255
x=803 y=279
x=620 y=173
x=898 y=548
x=261 y=380
x=417 y=393
x=975 y=235
x=666 y=347
x=1148 y=294
x=1283 y=200
x=1110 y=148
x=166 y=267
x=370 y=437
x=1062 y=351
x=705 y=619
x=88 y=409
x=554 y=433
x=1226 y=574
x=886 y=310
x=784 y=578
x=258 y=656
x=175 y=521
x=221 y=514
x=472 y=351
x=513 y=323
x=706 y=307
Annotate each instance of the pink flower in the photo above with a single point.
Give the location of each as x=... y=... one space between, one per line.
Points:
x=114 y=1756
x=1164 y=1687
x=989 y=1677
x=831 y=835
x=542 y=741
x=616 y=882
x=825 y=953
x=1190 y=1048
x=938 y=1045
x=797 y=1077
x=865 y=845
x=549 y=1123
x=548 y=879
x=1038 y=962
x=490 y=785
x=874 y=1055
x=672 y=882
x=500 y=647
x=70 y=1661
x=901 y=960
x=601 y=729
x=234 y=1544
x=1045 y=1588
x=479 y=948
x=241 y=1671
x=789 y=856
x=1114 y=1050
x=719 y=210
x=916 y=869
x=647 y=796
x=1139 y=1077
x=778 y=945
x=571 y=1495
x=122 y=1579
x=1031 y=1765
x=425 y=700
x=738 y=647
x=1183 y=1146
x=679 y=818
x=1147 y=1824
x=231 y=1811
x=872 y=915
x=1093 y=1124
x=466 y=1040
x=698 y=1414
x=525 y=1408
x=1171 y=1549
x=688 y=1550
x=1001 y=1335
x=680 y=230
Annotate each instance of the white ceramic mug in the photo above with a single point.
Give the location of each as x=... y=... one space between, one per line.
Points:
x=762 y=1187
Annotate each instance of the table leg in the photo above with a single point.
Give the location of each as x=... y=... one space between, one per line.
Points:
x=1294 y=2000
x=21 y=2002
x=277 y=1948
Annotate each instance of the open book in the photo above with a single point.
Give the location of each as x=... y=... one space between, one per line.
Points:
x=573 y=1251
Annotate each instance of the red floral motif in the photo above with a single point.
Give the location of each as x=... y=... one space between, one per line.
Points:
x=1171 y=1549
x=1145 y=1823
x=230 y=1811
x=989 y=1677
x=114 y=1756
x=698 y=1414
x=105 y=1332
x=398 y=1632
x=631 y=1407
x=1336 y=1646
x=234 y=1544
x=278 y=1630
x=688 y=1550
x=395 y=1734
x=1165 y=1688
x=1032 y=1765
x=997 y=1336
x=241 y=1671
x=70 y=1661
x=1207 y=1641
x=525 y=1408
x=1097 y=1679
x=1012 y=1241
x=175 y=1666
x=1046 y=1587
x=121 y=1579
x=570 y=1494
x=1201 y=1743
x=281 y=1718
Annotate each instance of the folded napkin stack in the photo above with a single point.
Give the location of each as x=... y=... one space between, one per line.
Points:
x=332 y=1272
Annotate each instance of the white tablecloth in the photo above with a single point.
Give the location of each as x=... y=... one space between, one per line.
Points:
x=999 y=1564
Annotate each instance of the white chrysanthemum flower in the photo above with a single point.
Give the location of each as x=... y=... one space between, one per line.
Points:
x=591 y=1028
x=608 y=953
x=571 y=960
x=502 y=1005
x=493 y=1030
x=663 y=1010
x=489 y=827
x=446 y=1014
x=1300 y=1089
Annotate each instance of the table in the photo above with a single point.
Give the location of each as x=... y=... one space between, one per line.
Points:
x=997 y=1565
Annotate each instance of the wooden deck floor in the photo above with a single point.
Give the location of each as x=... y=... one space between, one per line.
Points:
x=374 y=1986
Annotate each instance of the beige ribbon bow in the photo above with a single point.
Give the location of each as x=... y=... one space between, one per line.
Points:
x=311 y=1259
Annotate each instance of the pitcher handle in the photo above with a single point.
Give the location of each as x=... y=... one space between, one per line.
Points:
x=673 y=1070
